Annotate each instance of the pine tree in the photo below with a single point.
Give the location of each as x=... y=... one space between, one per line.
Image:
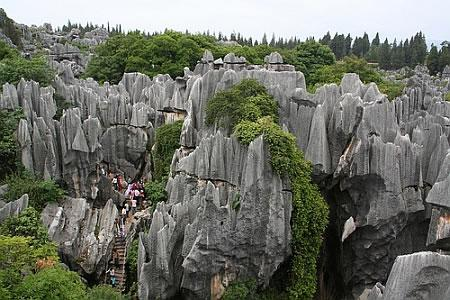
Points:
x=326 y=39
x=444 y=56
x=272 y=40
x=397 y=56
x=264 y=39
x=433 y=60
x=385 y=55
x=365 y=44
x=348 y=45
x=376 y=40
x=357 y=47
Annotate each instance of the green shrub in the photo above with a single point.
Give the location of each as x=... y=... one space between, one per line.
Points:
x=165 y=53
x=310 y=56
x=247 y=100
x=9 y=148
x=334 y=73
x=167 y=140
x=241 y=290
x=132 y=262
x=27 y=224
x=155 y=191
x=447 y=97
x=61 y=105
x=19 y=256
x=13 y=67
x=52 y=283
x=104 y=292
x=39 y=191
x=391 y=89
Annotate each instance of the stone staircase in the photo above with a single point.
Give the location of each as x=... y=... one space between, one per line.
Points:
x=120 y=249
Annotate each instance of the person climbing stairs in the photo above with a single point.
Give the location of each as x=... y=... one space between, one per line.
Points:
x=119 y=261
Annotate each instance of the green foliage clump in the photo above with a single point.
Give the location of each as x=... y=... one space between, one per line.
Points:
x=26 y=224
x=155 y=191
x=391 y=89
x=132 y=262
x=310 y=56
x=247 y=100
x=241 y=290
x=447 y=97
x=39 y=191
x=104 y=292
x=61 y=105
x=166 y=53
x=19 y=257
x=52 y=283
x=310 y=214
x=350 y=64
x=9 y=148
x=167 y=140
x=13 y=67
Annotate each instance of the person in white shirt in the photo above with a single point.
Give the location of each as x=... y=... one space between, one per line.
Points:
x=133 y=206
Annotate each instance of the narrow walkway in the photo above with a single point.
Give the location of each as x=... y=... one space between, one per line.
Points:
x=120 y=251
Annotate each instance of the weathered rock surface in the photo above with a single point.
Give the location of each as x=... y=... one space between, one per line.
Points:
x=84 y=234
x=227 y=218
x=13 y=208
x=423 y=275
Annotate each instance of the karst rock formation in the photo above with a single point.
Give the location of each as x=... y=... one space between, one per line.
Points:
x=383 y=166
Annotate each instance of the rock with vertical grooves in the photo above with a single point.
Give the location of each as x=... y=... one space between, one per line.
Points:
x=84 y=234
x=415 y=275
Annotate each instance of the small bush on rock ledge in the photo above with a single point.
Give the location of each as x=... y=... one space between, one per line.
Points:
x=39 y=191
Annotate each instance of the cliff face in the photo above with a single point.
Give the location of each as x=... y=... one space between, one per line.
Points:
x=380 y=164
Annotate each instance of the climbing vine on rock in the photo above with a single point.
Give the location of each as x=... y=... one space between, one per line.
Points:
x=310 y=213
x=167 y=140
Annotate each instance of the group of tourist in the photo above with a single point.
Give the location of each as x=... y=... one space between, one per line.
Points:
x=134 y=200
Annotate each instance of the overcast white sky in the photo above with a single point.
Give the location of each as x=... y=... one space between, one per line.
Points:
x=302 y=18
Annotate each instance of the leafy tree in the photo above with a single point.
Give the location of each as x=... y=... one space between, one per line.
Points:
x=433 y=60
x=350 y=64
x=13 y=67
x=155 y=191
x=19 y=256
x=39 y=191
x=310 y=56
x=166 y=53
x=52 y=283
x=246 y=100
x=9 y=148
